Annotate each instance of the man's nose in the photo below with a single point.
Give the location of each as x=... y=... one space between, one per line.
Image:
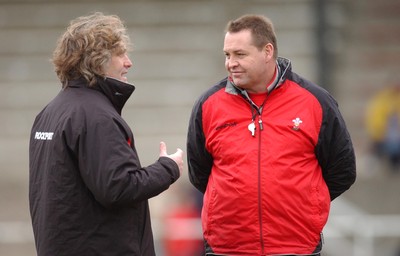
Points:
x=231 y=63
x=128 y=63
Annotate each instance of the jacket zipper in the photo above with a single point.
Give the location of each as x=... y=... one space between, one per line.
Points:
x=259 y=182
x=258 y=111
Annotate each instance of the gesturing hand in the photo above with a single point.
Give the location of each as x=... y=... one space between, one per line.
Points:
x=177 y=156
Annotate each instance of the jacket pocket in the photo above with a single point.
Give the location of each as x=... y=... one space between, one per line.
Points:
x=208 y=210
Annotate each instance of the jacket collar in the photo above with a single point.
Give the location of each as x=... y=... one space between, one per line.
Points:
x=284 y=68
x=116 y=91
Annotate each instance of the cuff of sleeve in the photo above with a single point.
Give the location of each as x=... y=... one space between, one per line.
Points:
x=171 y=167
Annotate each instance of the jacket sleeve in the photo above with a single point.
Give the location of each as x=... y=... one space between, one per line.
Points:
x=335 y=150
x=199 y=159
x=111 y=169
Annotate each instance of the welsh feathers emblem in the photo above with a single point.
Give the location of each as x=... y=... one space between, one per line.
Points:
x=296 y=123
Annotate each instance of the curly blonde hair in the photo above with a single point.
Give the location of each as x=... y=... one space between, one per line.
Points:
x=87 y=46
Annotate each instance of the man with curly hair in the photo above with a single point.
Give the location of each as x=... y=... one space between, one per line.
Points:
x=88 y=192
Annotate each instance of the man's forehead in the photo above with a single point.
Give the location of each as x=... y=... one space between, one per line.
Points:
x=238 y=41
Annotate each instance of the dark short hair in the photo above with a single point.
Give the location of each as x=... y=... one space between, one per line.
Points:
x=261 y=28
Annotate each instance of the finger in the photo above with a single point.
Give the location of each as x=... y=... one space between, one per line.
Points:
x=179 y=151
x=163 y=148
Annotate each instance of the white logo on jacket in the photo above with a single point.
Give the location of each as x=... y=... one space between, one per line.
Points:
x=44 y=135
x=296 y=123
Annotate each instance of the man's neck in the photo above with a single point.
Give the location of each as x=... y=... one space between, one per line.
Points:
x=272 y=77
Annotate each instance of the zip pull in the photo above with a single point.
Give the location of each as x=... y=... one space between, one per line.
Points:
x=260 y=122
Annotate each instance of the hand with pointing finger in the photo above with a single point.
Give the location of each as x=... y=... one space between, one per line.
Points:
x=177 y=156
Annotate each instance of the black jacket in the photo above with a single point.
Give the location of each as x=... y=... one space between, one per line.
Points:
x=87 y=190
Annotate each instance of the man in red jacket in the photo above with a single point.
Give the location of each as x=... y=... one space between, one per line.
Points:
x=268 y=149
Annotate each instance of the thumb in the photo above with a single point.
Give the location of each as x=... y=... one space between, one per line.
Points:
x=163 y=149
x=179 y=152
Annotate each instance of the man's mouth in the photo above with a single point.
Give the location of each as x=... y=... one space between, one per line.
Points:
x=236 y=73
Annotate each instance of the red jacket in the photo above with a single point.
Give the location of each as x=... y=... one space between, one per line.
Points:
x=269 y=193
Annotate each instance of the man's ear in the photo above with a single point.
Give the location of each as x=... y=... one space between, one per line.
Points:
x=269 y=51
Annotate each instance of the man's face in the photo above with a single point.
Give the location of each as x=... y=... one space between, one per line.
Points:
x=118 y=67
x=245 y=63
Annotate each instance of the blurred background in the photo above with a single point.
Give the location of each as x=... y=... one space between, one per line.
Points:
x=350 y=47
